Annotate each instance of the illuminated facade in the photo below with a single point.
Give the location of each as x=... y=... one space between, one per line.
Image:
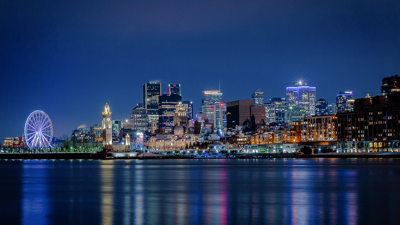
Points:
x=166 y=112
x=127 y=142
x=344 y=102
x=321 y=107
x=116 y=128
x=319 y=128
x=293 y=132
x=13 y=142
x=151 y=93
x=107 y=128
x=174 y=89
x=258 y=98
x=302 y=96
x=215 y=110
x=390 y=84
x=269 y=113
x=189 y=109
x=139 y=119
x=373 y=126
x=280 y=109
x=294 y=113
x=180 y=118
x=332 y=110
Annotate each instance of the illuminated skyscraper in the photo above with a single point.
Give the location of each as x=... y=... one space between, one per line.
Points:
x=139 y=119
x=321 y=108
x=258 y=98
x=332 y=109
x=303 y=96
x=215 y=110
x=166 y=111
x=174 y=89
x=344 y=102
x=189 y=109
x=151 y=92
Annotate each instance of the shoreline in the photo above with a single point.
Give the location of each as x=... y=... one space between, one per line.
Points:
x=111 y=156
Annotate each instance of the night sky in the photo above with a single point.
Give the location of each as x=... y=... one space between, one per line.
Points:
x=69 y=58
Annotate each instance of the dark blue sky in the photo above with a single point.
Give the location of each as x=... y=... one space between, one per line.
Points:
x=69 y=58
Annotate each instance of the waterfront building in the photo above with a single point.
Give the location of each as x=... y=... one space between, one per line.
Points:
x=390 y=84
x=189 y=109
x=302 y=96
x=139 y=119
x=171 y=142
x=258 y=98
x=270 y=148
x=14 y=142
x=151 y=94
x=241 y=110
x=214 y=110
x=107 y=139
x=294 y=113
x=166 y=112
x=319 y=128
x=293 y=132
x=174 y=89
x=107 y=128
x=279 y=135
x=344 y=102
x=321 y=107
x=373 y=126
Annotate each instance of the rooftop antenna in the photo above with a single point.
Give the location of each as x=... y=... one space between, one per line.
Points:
x=219 y=85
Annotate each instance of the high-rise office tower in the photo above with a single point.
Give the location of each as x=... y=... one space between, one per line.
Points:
x=241 y=110
x=258 y=98
x=321 y=107
x=332 y=109
x=215 y=110
x=180 y=118
x=189 y=109
x=151 y=92
x=166 y=112
x=139 y=119
x=116 y=128
x=390 y=84
x=344 y=102
x=174 y=89
x=294 y=113
x=303 y=96
x=280 y=109
x=269 y=113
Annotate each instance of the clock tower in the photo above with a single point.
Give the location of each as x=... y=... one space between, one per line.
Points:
x=107 y=128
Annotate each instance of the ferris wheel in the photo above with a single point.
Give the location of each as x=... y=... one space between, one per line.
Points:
x=38 y=130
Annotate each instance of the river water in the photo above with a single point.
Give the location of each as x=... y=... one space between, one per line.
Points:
x=200 y=191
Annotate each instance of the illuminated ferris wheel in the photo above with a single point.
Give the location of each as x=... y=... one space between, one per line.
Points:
x=38 y=130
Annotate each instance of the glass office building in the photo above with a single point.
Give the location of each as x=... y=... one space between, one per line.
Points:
x=302 y=96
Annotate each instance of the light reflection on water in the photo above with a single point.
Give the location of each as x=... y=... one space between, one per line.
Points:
x=262 y=191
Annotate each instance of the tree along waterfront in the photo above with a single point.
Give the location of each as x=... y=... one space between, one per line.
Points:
x=64 y=146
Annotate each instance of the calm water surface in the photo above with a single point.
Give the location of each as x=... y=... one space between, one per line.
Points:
x=200 y=191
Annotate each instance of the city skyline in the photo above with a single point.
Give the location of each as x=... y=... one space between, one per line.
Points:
x=59 y=59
